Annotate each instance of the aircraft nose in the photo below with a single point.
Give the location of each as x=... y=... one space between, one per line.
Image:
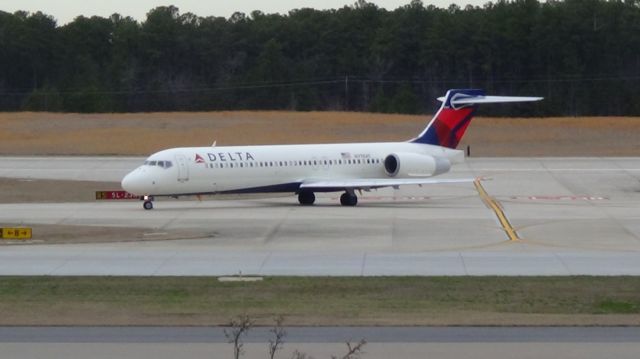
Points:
x=134 y=183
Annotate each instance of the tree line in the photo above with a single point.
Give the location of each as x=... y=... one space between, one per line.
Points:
x=583 y=56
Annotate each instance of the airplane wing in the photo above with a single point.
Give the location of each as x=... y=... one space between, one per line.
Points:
x=378 y=182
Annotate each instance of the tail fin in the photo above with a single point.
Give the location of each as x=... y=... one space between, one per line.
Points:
x=458 y=108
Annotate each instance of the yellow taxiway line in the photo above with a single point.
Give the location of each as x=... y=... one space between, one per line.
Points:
x=493 y=204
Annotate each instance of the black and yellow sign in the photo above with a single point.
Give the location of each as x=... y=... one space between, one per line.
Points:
x=15 y=233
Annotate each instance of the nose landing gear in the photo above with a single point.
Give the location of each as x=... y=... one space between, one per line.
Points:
x=148 y=202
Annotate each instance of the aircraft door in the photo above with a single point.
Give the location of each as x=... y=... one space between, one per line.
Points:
x=183 y=168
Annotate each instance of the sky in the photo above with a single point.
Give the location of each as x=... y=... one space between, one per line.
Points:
x=66 y=10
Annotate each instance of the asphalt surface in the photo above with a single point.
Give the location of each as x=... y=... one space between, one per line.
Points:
x=323 y=334
x=323 y=342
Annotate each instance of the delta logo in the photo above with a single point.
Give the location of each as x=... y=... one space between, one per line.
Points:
x=199 y=159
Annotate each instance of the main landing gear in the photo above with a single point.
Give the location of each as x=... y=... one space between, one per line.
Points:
x=148 y=202
x=307 y=198
x=348 y=199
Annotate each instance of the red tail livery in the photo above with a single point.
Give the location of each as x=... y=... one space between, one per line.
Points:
x=454 y=116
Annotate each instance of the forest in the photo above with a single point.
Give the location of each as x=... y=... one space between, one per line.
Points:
x=583 y=56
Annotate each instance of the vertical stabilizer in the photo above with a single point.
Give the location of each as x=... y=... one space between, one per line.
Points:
x=454 y=116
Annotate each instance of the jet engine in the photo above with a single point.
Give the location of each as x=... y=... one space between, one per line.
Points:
x=415 y=165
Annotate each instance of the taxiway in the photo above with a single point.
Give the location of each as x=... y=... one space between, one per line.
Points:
x=573 y=216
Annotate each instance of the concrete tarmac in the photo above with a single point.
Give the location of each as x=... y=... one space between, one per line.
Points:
x=382 y=342
x=574 y=216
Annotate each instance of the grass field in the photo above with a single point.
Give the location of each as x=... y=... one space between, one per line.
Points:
x=41 y=133
x=321 y=301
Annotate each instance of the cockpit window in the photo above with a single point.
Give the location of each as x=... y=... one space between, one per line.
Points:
x=163 y=164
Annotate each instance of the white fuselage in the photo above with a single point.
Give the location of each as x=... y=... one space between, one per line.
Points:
x=256 y=169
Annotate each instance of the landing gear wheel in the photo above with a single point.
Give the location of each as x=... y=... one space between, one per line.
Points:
x=147 y=205
x=306 y=198
x=348 y=199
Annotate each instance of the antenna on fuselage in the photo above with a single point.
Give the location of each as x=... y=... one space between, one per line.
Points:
x=214 y=144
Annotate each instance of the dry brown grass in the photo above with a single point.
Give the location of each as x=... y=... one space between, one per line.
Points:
x=30 y=133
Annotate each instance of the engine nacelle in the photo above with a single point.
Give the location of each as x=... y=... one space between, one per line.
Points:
x=415 y=165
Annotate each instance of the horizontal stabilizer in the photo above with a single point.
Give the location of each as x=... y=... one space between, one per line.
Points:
x=468 y=100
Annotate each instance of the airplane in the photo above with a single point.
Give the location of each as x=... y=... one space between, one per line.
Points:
x=310 y=168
